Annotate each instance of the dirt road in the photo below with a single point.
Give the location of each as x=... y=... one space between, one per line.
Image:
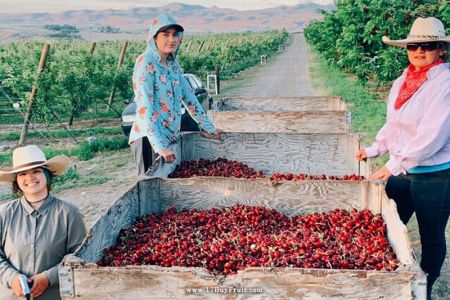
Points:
x=284 y=75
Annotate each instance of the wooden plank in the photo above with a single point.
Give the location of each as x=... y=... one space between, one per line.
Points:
x=153 y=282
x=149 y=200
x=289 y=197
x=375 y=192
x=338 y=104
x=105 y=231
x=365 y=167
x=277 y=152
x=280 y=104
x=281 y=122
x=397 y=231
x=353 y=144
x=162 y=169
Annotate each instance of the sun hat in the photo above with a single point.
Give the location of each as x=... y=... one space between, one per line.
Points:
x=30 y=157
x=422 y=30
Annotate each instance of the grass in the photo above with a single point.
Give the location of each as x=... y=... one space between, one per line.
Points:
x=60 y=134
x=368 y=115
x=90 y=115
x=84 y=151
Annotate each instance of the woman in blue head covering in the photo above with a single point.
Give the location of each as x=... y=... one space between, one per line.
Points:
x=160 y=89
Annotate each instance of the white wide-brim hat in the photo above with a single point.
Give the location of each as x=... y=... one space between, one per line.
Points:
x=30 y=157
x=422 y=30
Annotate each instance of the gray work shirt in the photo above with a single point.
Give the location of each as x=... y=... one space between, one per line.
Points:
x=35 y=241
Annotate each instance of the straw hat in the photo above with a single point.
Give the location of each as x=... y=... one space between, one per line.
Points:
x=30 y=157
x=422 y=30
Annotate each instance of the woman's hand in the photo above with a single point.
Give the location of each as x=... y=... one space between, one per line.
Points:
x=361 y=154
x=16 y=287
x=382 y=173
x=215 y=135
x=40 y=284
x=168 y=155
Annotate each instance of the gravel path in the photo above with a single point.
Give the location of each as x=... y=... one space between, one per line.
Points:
x=286 y=75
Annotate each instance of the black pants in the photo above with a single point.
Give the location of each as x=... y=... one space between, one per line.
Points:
x=428 y=195
x=143 y=155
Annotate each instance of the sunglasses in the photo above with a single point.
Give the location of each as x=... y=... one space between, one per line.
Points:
x=427 y=47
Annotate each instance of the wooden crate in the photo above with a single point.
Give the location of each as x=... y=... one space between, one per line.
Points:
x=81 y=278
x=314 y=154
x=313 y=103
x=281 y=115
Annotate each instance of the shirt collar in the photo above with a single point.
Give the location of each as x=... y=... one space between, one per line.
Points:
x=42 y=210
x=434 y=71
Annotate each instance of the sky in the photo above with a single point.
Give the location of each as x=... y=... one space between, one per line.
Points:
x=21 y=6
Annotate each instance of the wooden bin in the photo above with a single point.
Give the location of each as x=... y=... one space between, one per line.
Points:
x=313 y=154
x=287 y=114
x=81 y=278
x=313 y=103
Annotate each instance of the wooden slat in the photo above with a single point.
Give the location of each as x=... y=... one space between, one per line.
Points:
x=149 y=200
x=397 y=231
x=280 y=103
x=152 y=282
x=289 y=197
x=281 y=122
x=105 y=231
x=312 y=154
x=162 y=169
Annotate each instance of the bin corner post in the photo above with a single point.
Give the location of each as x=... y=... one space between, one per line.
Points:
x=419 y=286
x=66 y=282
x=148 y=195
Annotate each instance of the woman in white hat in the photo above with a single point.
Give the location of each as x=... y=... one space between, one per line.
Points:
x=36 y=230
x=417 y=137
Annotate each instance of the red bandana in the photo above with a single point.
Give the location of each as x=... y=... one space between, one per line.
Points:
x=414 y=79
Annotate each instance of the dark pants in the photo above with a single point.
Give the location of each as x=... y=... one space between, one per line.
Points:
x=427 y=195
x=143 y=155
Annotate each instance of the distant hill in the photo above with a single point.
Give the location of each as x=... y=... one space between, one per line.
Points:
x=136 y=21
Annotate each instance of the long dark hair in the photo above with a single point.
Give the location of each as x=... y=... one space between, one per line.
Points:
x=17 y=192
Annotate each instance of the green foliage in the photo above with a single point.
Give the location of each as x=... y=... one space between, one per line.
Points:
x=65 y=27
x=65 y=32
x=61 y=134
x=87 y=150
x=70 y=175
x=84 y=151
x=108 y=29
x=350 y=36
x=76 y=84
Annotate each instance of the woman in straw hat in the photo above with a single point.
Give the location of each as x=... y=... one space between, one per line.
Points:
x=417 y=136
x=36 y=230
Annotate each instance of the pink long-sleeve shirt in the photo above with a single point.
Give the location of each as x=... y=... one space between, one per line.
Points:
x=418 y=134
